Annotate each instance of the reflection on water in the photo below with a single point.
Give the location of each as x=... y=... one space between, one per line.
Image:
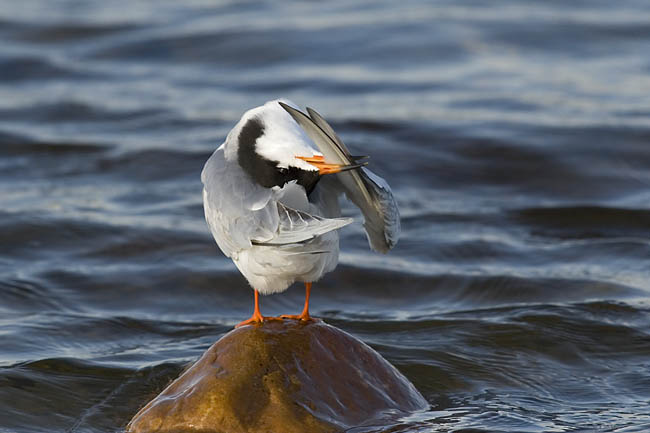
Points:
x=515 y=137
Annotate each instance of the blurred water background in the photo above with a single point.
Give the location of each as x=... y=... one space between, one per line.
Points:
x=516 y=136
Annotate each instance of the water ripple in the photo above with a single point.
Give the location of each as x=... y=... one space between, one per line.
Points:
x=515 y=138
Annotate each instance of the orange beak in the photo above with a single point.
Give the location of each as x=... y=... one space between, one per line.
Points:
x=325 y=168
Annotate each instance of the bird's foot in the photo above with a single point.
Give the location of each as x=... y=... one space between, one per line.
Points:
x=257 y=319
x=252 y=321
x=304 y=317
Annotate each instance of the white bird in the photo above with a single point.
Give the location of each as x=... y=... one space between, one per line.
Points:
x=271 y=199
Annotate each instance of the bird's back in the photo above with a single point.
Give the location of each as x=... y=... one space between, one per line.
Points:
x=275 y=235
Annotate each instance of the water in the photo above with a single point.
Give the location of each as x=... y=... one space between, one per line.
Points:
x=516 y=137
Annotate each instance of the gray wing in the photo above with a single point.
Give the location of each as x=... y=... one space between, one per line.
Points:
x=382 y=220
x=241 y=213
x=369 y=192
x=236 y=209
x=297 y=226
x=327 y=129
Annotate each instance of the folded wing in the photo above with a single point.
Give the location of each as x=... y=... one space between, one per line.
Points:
x=297 y=226
x=236 y=209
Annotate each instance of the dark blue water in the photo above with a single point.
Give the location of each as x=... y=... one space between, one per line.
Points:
x=516 y=136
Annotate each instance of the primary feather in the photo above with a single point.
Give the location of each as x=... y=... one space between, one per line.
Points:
x=369 y=192
x=296 y=226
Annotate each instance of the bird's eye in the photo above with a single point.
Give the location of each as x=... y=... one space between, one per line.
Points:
x=283 y=170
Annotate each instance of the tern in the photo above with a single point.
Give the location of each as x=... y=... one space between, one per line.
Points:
x=271 y=200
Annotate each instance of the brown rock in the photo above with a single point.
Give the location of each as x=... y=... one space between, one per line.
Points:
x=280 y=377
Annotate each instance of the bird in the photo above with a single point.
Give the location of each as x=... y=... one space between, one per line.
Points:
x=271 y=195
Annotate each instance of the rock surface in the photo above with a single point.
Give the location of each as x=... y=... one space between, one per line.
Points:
x=280 y=377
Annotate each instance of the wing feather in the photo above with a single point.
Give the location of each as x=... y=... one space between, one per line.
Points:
x=236 y=209
x=322 y=123
x=298 y=226
x=369 y=192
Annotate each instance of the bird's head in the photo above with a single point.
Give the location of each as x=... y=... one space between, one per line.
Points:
x=274 y=150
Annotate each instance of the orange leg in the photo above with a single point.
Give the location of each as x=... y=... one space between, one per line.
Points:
x=257 y=316
x=304 y=316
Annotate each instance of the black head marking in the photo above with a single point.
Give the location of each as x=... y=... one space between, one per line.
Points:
x=265 y=172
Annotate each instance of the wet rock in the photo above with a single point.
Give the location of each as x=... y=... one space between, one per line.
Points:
x=281 y=377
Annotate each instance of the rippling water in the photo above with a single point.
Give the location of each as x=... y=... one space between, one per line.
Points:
x=516 y=137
